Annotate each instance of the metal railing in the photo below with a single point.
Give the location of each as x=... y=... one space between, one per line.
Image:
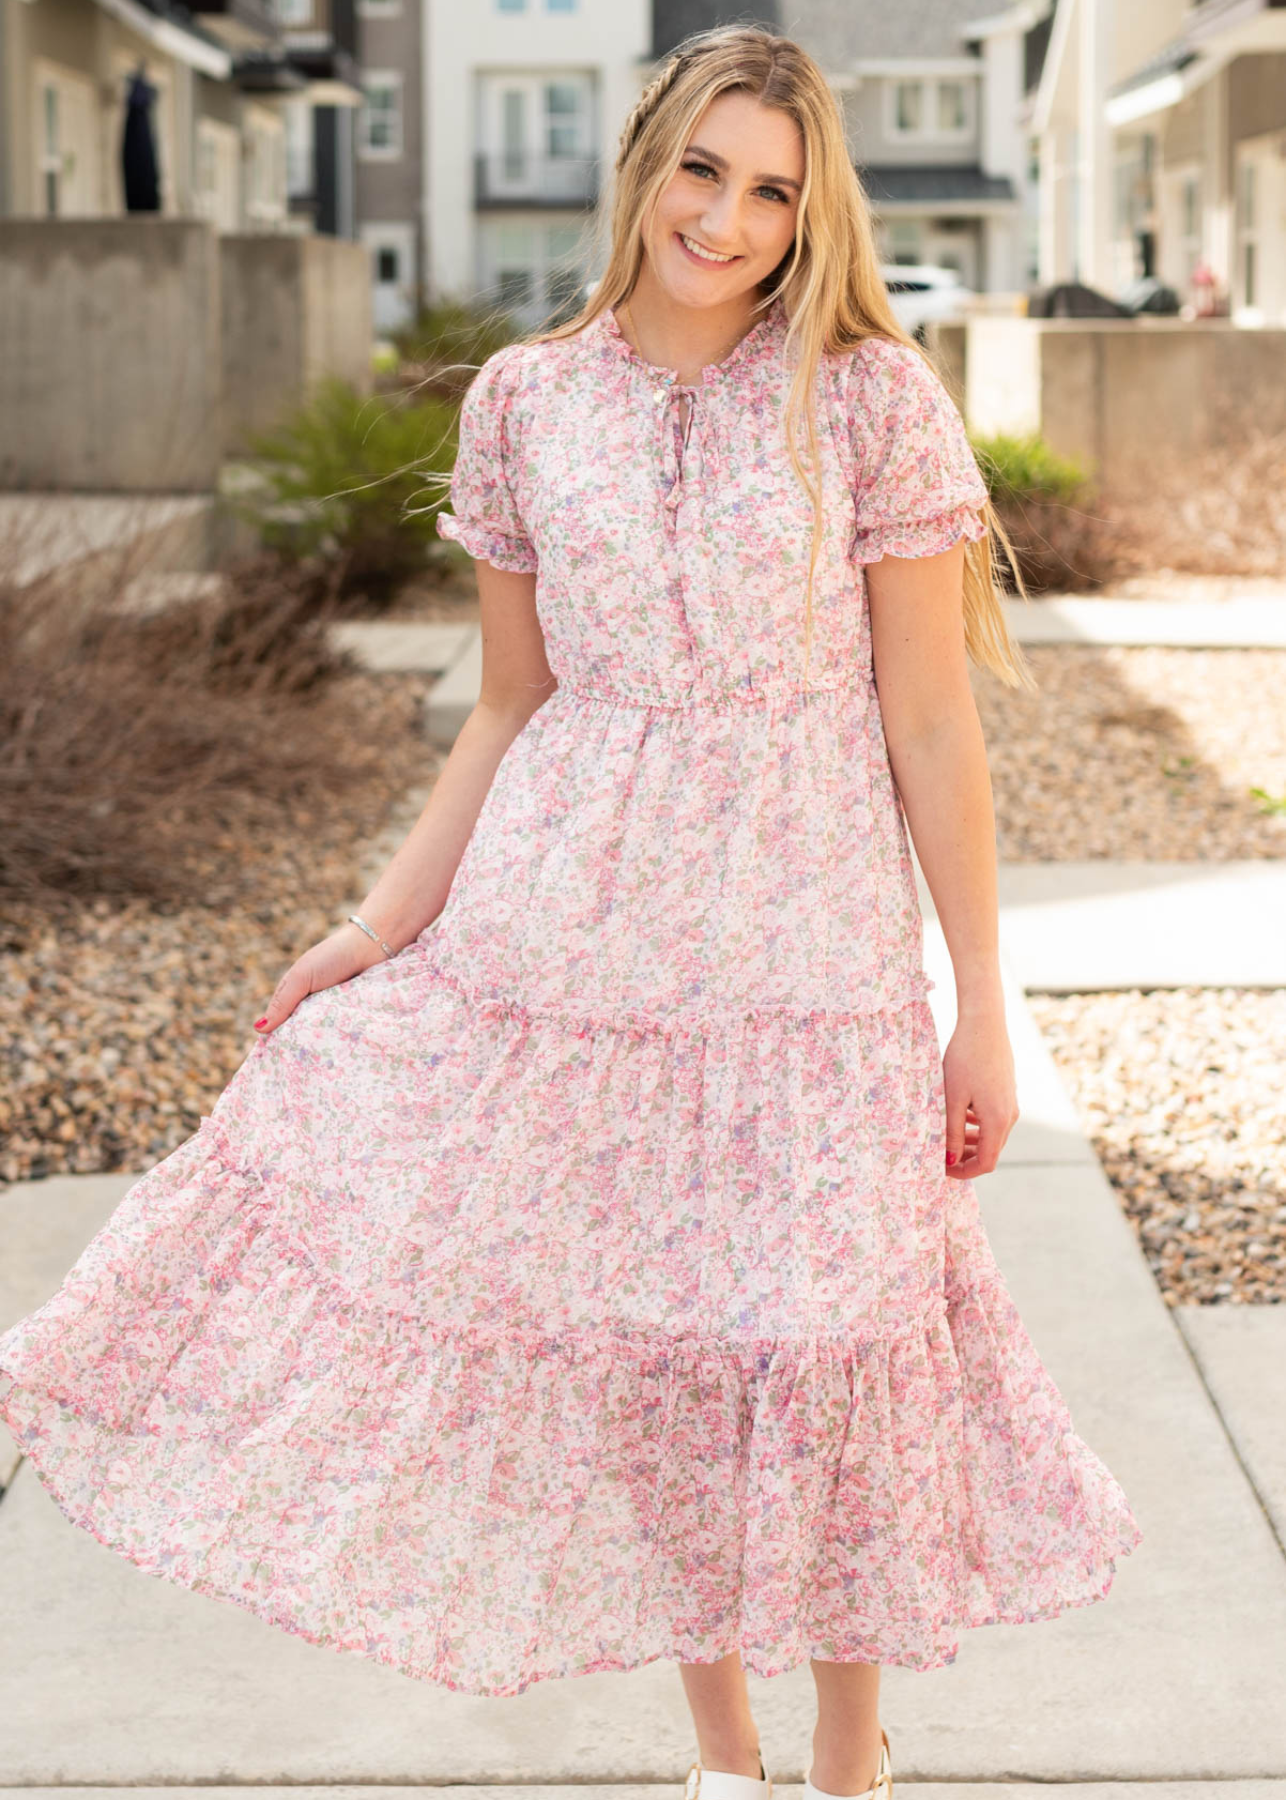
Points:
x=515 y=178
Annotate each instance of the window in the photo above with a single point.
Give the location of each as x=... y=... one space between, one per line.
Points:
x=379 y=9
x=1247 y=233
x=293 y=12
x=952 y=107
x=904 y=241
x=908 y=105
x=511 y=6
x=930 y=111
x=562 y=118
x=561 y=6
x=536 y=137
x=265 y=166
x=513 y=129
x=532 y=269
x=50 y=160
x=386 y=264
x=297 y=117
x=379 y=132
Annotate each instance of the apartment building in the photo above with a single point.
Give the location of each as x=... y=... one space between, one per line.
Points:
x=526 y=102
x=1161 y=129
x=319 y=39
x=390 y=154
x=67 y=71
x=932 y=98
x=248 y=103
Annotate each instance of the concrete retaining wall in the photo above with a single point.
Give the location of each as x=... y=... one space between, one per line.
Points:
x=1134 y=399
x=136 y=353
x=109 y=354
x=294 y=309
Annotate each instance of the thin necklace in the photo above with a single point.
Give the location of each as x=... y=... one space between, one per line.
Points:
x=625 y=308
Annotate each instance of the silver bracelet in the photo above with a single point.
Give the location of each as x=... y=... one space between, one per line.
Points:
x=372 y=935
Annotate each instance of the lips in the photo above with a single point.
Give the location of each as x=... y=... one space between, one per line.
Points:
x=705 y=261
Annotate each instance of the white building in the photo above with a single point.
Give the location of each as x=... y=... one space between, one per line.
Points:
x=932 y=97
x=1162 y=143
x=528 y=98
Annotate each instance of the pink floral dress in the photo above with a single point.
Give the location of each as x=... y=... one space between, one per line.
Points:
x=583 y=1286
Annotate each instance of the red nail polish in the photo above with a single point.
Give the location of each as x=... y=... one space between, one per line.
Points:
x=951 y=1156
x=260 y=1023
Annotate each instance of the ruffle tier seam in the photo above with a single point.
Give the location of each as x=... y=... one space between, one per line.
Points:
x=636 y=1023
x=576 y=1341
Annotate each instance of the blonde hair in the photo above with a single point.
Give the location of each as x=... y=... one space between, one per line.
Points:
x=833 y=295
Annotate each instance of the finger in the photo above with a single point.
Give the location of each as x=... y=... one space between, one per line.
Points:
x=291 y=989
x=987 y=1148
x=957 y=1109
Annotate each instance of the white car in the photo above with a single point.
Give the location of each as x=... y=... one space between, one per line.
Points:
x=919 y=292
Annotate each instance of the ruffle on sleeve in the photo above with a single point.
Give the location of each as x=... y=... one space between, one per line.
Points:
x=485 y=519
x=919 y=488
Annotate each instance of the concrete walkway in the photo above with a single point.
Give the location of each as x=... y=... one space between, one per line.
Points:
x=1185 y=624
x=1077 y=927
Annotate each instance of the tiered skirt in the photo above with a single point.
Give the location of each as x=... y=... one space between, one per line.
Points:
x=500 y=1344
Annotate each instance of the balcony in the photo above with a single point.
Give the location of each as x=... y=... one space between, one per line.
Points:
x=1238 y=27
x=515 y=178
x=240 y=25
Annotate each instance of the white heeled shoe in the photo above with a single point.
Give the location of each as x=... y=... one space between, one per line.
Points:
x=718 y=1784
x=883 y=1779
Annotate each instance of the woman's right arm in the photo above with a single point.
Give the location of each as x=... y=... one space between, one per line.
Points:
x=412 y=890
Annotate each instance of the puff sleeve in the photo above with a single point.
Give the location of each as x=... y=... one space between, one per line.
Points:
x=484 y=518
x=918 y=485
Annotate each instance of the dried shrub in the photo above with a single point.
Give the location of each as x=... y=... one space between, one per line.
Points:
x=1218 y=512
x=1222 y=512
x=144 y=751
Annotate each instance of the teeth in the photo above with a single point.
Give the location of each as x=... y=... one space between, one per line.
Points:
x=699 y=250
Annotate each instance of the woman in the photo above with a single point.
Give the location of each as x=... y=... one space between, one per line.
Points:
x=584 y=1266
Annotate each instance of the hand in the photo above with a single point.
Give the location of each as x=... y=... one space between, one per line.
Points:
x=981 y=1093
x=345 y=953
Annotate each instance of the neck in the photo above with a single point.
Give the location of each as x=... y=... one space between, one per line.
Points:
x=682 y=338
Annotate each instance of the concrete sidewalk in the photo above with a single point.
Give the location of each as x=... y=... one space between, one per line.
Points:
x=1246 y=624
x=108 y=1677
x=1079 y=927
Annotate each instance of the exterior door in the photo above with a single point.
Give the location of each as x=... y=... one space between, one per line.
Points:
x=66 y=164
x=1259 y=271
x=218 y=173
x=1181 y=227
x=392 y=249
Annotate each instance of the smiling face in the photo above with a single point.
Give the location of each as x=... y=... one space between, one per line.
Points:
x=727 y=216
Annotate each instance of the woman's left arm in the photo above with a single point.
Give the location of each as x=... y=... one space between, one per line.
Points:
x=939 y=762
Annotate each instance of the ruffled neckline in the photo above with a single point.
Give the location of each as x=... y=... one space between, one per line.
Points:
x=742 y=353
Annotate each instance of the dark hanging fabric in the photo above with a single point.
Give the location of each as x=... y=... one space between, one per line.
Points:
x=138 y=148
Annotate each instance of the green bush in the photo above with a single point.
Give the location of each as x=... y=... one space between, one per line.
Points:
x=1026 y=468
x=337 y=479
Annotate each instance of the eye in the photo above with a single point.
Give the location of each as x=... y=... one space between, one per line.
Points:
x=696 y=167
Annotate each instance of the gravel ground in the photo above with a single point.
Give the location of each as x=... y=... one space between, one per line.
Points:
x=1181 y=1093
x=120 y=1024
x=449 y=594
x=1138 y=755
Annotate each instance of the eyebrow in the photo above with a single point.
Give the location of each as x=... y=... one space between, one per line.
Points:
x=720 y=162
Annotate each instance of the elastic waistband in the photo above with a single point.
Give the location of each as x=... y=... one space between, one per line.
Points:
x=745 y=693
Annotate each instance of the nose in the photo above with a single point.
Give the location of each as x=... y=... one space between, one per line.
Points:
x=719 y=224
